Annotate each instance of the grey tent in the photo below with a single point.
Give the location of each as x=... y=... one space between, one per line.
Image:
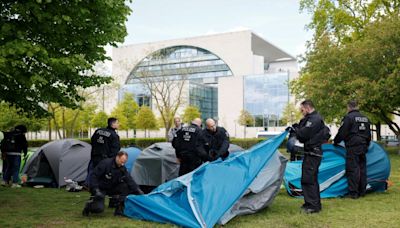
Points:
x=262 y=190
x=54 y=161
x=157 y=164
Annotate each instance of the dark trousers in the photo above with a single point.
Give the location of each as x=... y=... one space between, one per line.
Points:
x=188 y=166
x=13 y=164
x=4 y=168
x=356 y=171
x=117 y=194
x=309 y=182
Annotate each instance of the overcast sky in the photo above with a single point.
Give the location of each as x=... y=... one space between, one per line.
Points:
x=277 y=21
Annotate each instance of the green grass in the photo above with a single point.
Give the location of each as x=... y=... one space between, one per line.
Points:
x=29 y=207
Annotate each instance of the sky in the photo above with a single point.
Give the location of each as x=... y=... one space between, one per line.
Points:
x=277 y=21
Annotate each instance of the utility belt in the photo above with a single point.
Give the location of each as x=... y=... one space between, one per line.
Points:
x=316 y=151
x=14 y=153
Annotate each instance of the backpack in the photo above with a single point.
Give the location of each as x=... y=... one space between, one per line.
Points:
x=9 y=143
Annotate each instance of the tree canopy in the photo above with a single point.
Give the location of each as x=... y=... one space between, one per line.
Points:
x=190 y=113
x=353 y=55
x=48 y=49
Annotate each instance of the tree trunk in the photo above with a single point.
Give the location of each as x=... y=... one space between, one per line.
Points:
x=378 y=131
x=49 y=124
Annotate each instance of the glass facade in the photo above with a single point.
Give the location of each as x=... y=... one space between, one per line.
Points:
x=205 y=97
x=174 y=62
x=141 y=94
x=177 y=63
x=265 y=97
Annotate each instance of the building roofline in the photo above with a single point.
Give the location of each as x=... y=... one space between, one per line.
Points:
x=187 y=38
x=273 y=45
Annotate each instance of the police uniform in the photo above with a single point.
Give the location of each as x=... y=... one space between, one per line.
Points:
x=105 y=144
x=189 y=148
x=109 y=179
x=216 y=143
x=312 y=132
x=355 y=132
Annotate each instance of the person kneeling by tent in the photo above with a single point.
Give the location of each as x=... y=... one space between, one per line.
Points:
x=110 y=177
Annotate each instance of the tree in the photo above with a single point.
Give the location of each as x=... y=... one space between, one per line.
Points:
x=99 y=119
x=146 y=120
x=353 y=57
x=245 y=119
x=48 y=49
x=190 y=113
x=126 y=112
x=291 y=114
x=166 y=91
x=11 y=116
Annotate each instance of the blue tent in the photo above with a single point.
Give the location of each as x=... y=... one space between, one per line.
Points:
x=331 y=177
x=133 y=153
x=200 y=198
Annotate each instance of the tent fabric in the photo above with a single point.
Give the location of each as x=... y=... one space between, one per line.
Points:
x=331 y=177
x=67 y=158
x=157 y=164
x=133 y=153
x=262 y=191
x=201 y=197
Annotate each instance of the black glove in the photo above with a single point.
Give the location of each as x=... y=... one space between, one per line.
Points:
x=290 y=129
x=295 y=126
x=213 y=154
x=98 y=194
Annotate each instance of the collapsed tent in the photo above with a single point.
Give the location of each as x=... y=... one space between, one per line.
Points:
x=331 y=177
x=262 y=191
x=56 y=160
x=190 y=200
x=157 y=164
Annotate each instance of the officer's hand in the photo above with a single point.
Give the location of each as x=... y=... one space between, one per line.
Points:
x=295 y=125
x=213 y=155
x=178 y=160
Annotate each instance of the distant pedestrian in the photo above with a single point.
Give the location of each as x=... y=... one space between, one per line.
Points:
x=172 y=131
x=12 y=146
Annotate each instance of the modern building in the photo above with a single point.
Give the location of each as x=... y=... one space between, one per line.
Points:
x=222 y=74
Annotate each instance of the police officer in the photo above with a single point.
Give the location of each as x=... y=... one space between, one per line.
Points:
x=312 y=132
x=216 y=140
x=189 y=147
x=356 y=133
x=110 y=177
x=105 y=144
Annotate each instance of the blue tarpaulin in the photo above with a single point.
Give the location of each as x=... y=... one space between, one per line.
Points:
x=133 y=153
x=331 y=177
x=200 y=198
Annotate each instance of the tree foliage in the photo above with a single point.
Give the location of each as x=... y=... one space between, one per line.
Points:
x=145 y=119
x=11 y=116
x=245 y=119
x=190 y=113
x=353 y=55
x=48 y=49
x=126 y=112
x=290 y=114
x=99 y=119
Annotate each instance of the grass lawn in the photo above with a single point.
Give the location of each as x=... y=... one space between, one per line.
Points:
x=29 y=207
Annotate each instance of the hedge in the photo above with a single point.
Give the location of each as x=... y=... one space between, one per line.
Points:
x=145 y=142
